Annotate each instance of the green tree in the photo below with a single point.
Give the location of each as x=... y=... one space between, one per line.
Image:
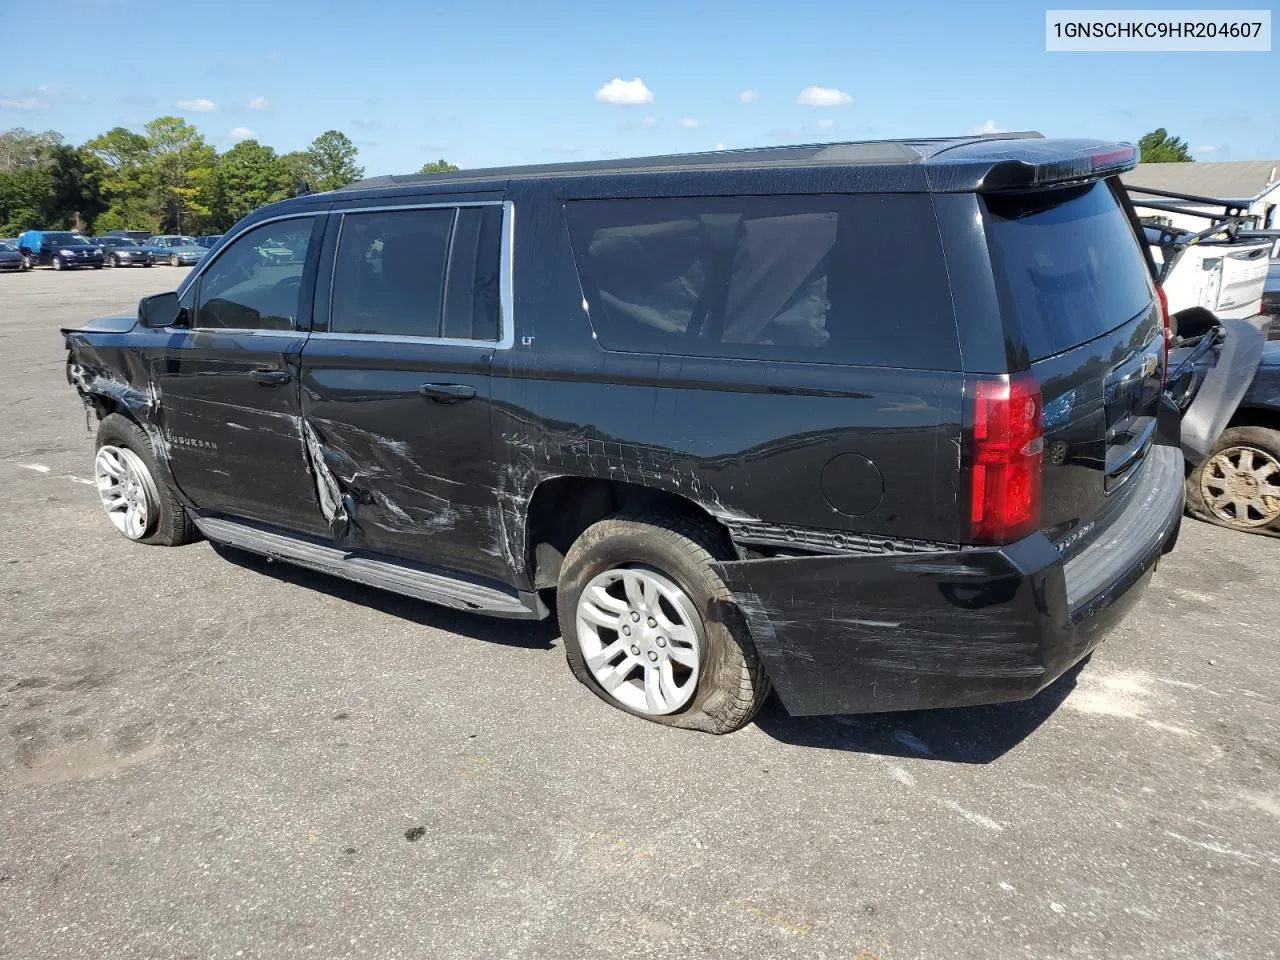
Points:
x=1158 y=147
x=181 y=173
x=301 y=168
x=125 y=158
x=25 y=199
x=438 y=166
x=333 y=157
x=248 y=176
x=76 y=187
x=21 y=148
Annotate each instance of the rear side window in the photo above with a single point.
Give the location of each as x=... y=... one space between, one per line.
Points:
x=823 y=279
x=418 y=273
x=1072 y=264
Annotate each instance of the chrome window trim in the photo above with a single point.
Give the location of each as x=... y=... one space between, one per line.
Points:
x=506 y=279
x=245 y=331
x=394 y=338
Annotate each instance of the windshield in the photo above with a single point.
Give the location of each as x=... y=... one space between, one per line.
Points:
x=5 y=246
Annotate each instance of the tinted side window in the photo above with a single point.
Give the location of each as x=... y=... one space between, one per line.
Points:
x=389 y=272
x=250 y=286
x=471 y=305
x=824 y=279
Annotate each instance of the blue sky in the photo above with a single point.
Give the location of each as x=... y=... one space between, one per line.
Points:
x=505 y=82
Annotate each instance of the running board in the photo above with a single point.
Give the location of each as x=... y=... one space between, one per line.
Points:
x=410 y=581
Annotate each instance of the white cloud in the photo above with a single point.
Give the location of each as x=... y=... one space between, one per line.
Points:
x=823 y=97
x=649 y=122
x=989 y=127
x=625 y=93
x=198 y=105
x=260 y=104
x=1207 y=148
x=44 y=96
x=826 y=123
x=749 y=96
x=689 y=123
x=241 y=133
x=719 y=146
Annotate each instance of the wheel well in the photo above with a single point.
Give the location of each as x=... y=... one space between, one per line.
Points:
x=563 y=507
x=1256 y=417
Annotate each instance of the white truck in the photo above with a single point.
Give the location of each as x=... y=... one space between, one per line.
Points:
x=1218 y=268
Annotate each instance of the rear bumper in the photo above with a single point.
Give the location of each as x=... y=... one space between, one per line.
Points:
x=857 y=634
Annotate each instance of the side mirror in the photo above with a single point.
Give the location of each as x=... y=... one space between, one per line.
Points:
x=161 y=310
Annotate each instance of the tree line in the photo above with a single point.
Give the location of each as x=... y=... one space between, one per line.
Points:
x=166 y=179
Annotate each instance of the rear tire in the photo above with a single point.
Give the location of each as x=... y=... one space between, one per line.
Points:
x=706 y=675
x=1238 y=484
x=167 y=523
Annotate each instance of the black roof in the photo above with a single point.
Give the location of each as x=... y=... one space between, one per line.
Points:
x=936 y=164
x=866 y=152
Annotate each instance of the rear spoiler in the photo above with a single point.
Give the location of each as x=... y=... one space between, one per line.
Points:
x=1093 y=163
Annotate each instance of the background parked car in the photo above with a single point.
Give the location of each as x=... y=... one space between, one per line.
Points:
x=177 y=251
x=60 y=249
x=137 y=236
x=10 y=258
x=123 y=252
x=1225 y=379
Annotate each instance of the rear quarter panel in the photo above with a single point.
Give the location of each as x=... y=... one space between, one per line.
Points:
x=746 y=440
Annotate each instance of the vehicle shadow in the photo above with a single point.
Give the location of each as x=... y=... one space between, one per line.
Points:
x=531 y=634
x=962 y=735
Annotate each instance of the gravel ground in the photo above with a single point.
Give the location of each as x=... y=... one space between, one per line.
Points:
x=203 y=755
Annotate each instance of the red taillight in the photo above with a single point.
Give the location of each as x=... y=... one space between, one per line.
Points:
x=1168 y=333
x=1006 y=460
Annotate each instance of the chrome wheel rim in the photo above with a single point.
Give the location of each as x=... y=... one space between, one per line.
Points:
x=126 y=489
x=641 y=638
x=1241 y=486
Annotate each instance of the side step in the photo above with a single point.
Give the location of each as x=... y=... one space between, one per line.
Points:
x=411 y=581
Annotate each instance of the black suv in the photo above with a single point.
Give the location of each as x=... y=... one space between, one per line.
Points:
x=879 y=424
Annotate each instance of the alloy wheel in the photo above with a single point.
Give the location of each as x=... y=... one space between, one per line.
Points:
x=641 y=638
x=126 y=489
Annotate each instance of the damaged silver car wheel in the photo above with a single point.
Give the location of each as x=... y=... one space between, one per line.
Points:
x=642 y=639
x=127 y=491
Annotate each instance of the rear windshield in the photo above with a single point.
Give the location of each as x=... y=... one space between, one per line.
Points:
x=819 y=279
x=1072 y=263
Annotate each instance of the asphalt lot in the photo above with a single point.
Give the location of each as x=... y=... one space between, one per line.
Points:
x=203 y=755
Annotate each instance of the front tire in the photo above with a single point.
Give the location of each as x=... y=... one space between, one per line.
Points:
x=173 y=261
x=58 y=264
x=649 y=626
x=1238 y=484
x=137 y=500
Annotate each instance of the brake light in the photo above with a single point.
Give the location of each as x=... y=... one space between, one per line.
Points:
x=1168 y=333
x=1006 y=459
